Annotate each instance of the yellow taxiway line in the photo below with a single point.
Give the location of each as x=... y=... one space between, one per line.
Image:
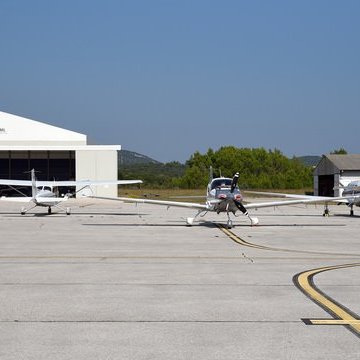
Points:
x=304 y=281
x=342 y=315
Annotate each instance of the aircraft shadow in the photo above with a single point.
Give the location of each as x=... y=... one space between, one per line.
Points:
x=18 y=215
x=346 y=216
x=179 y=224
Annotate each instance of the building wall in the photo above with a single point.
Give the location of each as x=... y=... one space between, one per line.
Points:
x=316 y=185
x=97 y=165
x=325 y=167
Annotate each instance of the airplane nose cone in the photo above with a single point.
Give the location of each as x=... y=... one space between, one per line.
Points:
x=238 y=197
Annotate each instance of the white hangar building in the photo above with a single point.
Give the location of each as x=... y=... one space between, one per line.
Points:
x=335 y=171
x=55 y=153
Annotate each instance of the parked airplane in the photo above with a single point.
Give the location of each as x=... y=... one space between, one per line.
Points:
x=350 y=197
x=223 y=195
x=42 y=192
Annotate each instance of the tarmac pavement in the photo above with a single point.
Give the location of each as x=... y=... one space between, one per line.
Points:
x=120 y=281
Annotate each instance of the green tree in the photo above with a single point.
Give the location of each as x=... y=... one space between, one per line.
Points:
x=340 y=151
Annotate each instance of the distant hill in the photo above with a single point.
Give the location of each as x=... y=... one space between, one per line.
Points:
x=309 y=160
x=127 y=157
x=133 y=165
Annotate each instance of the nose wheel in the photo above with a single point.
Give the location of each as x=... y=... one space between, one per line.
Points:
x=229 y=223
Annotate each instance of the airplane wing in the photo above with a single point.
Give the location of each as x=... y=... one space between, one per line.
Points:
x=68 y=183
x=155 y=202
x=87 y=182
x=15 y=182
x=20 y=199
x=26 y=199
x=204 y=207
x=312 y=198
x=283 y=195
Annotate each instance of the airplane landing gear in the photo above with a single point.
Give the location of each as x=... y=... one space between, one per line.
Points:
x=49 y=210
x=351 y=210
x=24 y=210
x=326 y=211
x=190 y=220
x=229 y=223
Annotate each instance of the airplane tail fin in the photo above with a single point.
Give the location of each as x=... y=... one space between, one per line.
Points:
x=33 y=184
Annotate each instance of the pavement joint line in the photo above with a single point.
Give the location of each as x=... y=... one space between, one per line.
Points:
x=158 y=321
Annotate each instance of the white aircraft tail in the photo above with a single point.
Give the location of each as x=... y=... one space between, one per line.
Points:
x=34 y=190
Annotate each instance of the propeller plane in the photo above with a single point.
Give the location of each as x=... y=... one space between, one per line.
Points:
x=223 y=196
x=43 y=194
x=350 y=197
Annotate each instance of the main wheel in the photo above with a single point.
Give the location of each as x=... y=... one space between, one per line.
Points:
x=229 y=224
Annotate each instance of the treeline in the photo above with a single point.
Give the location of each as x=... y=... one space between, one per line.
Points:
x=155 y=175
x=259 y=169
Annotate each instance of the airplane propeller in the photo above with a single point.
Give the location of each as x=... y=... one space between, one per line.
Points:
x=234 y=182
x=238 y=203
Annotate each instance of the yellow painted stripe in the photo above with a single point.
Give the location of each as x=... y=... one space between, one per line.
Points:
x=333 y=322
x=340 y=312
x=240 y=241
x=304 y=282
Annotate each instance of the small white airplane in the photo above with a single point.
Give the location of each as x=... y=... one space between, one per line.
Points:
x=42 y=192
x=223 y=195
x=350 y=197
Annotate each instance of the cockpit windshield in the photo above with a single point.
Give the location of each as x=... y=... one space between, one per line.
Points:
x=354 y=184
x=221 y=183
x=47 y=188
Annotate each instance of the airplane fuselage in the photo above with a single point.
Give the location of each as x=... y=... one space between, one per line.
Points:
x=220 y=197
x=353 y=189
x=43 y=194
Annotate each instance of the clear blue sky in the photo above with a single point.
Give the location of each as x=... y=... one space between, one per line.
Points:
x=167 y=78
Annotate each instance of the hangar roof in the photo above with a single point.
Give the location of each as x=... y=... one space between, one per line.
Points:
x=345 y=162
x=333 y=163
x=19 y=131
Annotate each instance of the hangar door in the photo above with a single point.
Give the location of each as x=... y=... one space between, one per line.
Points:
x=326 y=185
x=49 y=165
